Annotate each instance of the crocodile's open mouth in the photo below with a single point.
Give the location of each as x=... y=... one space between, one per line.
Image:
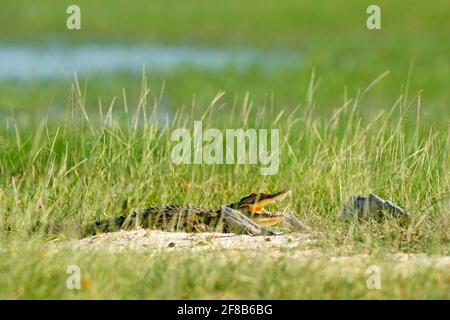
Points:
x=257 y=201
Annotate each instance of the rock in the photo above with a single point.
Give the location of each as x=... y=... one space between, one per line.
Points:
x=371 y=206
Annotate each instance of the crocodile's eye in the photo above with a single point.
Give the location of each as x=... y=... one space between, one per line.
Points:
x=252 y=196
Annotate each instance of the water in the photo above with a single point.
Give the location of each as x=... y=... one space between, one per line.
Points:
x=27 y=62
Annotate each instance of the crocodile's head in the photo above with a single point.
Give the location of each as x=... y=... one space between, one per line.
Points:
x=254 y=204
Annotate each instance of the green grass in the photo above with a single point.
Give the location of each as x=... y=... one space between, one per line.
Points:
x=65 y=163
x=41 y=274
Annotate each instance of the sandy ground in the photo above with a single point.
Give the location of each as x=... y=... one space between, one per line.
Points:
x=156 y=240
x=293 y=245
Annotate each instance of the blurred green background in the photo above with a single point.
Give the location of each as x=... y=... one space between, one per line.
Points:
x=330 y=36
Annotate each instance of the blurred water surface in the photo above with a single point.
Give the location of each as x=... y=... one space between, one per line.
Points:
x=27 y=62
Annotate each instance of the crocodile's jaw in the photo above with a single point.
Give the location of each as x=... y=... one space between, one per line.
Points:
x=253 y=205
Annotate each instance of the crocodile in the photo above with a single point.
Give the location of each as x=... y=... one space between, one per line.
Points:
x=248 y=215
